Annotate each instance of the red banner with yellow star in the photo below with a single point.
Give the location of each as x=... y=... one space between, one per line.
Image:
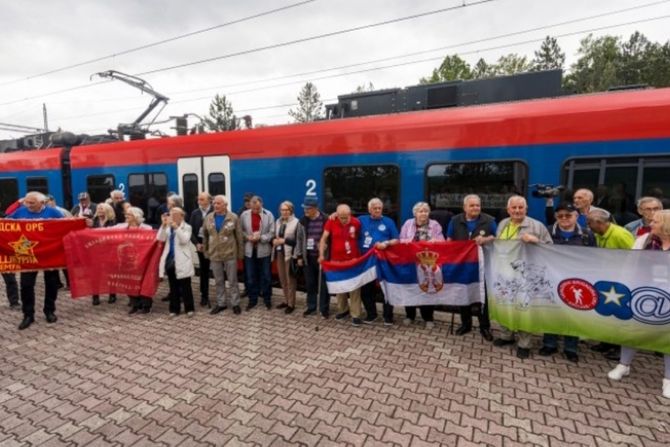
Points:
x=34 y=244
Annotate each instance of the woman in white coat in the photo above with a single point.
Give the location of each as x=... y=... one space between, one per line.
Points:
x=177 y=260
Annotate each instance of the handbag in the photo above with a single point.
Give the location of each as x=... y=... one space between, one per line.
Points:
x=293 y=268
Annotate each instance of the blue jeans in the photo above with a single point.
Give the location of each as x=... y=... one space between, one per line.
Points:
x=259 y=278
x=570 y=343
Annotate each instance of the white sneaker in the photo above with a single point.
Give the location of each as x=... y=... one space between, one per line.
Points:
x=190 y=314
x=172 y=315
x=666 y=388
x=430 y=325
x=619 y=372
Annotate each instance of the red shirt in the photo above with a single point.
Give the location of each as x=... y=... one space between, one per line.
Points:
x=343 y=239
x=255 y=222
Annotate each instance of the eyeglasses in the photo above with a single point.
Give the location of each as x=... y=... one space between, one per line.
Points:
x=563 y=216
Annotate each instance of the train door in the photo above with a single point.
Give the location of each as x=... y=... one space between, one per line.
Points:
x=210 y=174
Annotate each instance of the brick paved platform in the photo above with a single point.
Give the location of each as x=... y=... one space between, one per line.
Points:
x=100 y=377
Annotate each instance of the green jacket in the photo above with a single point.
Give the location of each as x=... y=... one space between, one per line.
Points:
x=616 y=237
x=224 y=245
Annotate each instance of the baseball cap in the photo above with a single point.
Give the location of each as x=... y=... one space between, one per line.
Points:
x=310 y=202
x=83 y=196
x=565 y=206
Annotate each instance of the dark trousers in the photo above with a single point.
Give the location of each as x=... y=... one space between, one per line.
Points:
x=51 y=281
x=140 y=302
x=426 y=312
x=368 y=295
x=482 y=313
x=259 y=276
x=312 y=284
x=183 y=292
x=12 y=287
x=204 y=277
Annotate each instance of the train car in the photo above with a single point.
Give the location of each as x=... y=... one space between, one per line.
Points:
x=617 y=144
x=41 y=171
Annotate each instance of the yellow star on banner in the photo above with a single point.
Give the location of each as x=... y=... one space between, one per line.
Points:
x=613 y=297
x=23 y=247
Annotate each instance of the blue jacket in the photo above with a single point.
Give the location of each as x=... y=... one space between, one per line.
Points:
x=582 y=237
x=47 y=212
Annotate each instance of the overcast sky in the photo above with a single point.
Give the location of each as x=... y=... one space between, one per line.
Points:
x=39 y=36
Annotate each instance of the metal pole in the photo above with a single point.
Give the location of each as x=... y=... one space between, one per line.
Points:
x=44 y=114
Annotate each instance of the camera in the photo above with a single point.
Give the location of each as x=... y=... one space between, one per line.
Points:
x=546 y=191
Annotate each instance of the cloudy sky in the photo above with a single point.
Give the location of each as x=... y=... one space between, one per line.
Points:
x=40 y=36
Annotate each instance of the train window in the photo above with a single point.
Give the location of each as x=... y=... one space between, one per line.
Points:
x=355 y=185
x=189 y=185
x=493 y=181
x=148 y=191
x=39 y=184
x=618 y=182
x=99 y=187
x=216 y=183
x=9 y=191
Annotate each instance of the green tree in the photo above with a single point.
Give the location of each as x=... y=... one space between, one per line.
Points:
x=369 y=87
x=309 y=105
x=452 y=68
x=597 y=67
x=549 y=56
x=482 y=69
x=656 y=66
x=221 y=116
x=510 y=64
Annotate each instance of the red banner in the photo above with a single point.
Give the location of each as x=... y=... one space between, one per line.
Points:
x=34 y=244
x=113 y=261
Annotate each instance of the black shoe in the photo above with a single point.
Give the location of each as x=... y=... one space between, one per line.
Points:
x=601 y=347
x=388 y=322
x=111 y=299
x=370 y=320
x=237 y=310
x=27 y=321
x=308 y=312
x=341 y=316
x=244 y=294
x=486 y=334
x=268 y=306
x=499 y=342
x=133 y=310
x=146 y=310
x=165 y=298
x=96 y=300
x=282 y=306
x=613 y=354
x=289 y=310
x=325 y=315
x=250 y=306
x=51 y=317
x=547 y=351
x=356 y=322
x=204 y=303
x=14 y=305
x=463 y=330
x=217 y=309
x=522 y=353
x=571 y=356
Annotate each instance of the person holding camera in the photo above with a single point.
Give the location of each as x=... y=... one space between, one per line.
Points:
x=176 y=261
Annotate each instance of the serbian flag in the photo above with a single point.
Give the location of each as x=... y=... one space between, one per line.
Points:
x=431 y=273
x=111 y=260
x=345 y=276
x=34 y=244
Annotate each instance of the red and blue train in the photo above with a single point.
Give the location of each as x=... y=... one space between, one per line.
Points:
x=617 y=143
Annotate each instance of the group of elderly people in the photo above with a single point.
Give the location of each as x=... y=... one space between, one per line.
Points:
x=299 y=246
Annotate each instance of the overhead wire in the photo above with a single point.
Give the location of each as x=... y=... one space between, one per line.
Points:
x=431 y=59
x=157 y=43
x=264 y=48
